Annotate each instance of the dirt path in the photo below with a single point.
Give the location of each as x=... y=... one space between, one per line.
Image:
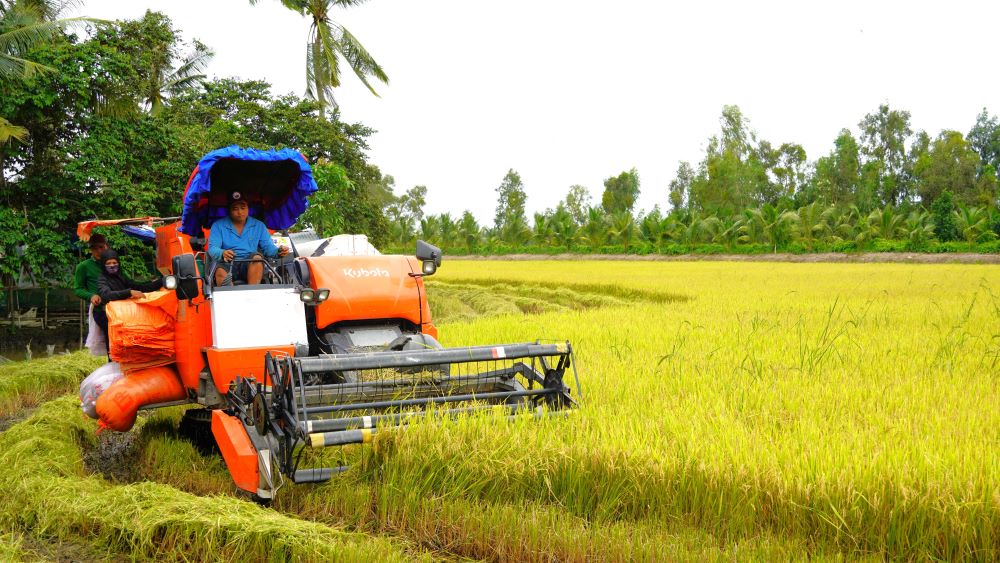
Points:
x=870 y=257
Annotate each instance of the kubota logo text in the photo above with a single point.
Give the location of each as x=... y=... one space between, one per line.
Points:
x=366 y=273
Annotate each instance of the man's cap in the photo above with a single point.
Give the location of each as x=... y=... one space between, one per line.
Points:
x=97 y=240
x=235 y=197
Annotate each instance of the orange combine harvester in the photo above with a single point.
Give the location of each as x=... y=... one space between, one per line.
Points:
x=336 y=344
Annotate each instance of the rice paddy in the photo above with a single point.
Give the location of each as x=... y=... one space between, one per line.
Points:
x=745 y=411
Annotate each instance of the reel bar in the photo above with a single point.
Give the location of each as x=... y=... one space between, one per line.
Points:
x=317 y=475
x=428 y=400
x=363 y=388
x=381 y=384
x=416 y=358
x=395 y=419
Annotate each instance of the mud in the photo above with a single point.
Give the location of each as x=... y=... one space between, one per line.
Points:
x=865 y=258
x=114 y=457
x=60 y=551
x=8 y=421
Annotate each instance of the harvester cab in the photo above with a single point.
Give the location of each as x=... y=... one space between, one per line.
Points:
x=335 y=345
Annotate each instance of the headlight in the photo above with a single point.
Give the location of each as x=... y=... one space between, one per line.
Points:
x=322 y=295
x=429 y=267
x=170 y=282
x=307 y=296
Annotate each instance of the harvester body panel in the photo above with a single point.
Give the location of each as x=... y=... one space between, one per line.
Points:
x=225 y=365
x=366 y=288
x=237 y=450
x=193 y=333
x=252 y=316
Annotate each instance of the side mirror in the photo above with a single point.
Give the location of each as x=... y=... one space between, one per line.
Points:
x=185 y=275
x=430 y=255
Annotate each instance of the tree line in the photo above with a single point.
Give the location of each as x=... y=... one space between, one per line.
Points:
x=888 y=188
x=107 y=120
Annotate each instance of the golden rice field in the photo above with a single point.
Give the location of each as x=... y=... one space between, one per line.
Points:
x=731 y=411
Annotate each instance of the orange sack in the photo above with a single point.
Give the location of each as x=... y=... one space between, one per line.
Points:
x=118 y=405
x=141 y=331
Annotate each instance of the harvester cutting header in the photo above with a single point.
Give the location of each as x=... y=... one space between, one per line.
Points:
x=330 y=341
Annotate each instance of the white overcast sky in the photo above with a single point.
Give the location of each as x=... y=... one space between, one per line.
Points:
x=571 y=92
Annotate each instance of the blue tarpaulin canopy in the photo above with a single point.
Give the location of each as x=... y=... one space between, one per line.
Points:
x=275 y=183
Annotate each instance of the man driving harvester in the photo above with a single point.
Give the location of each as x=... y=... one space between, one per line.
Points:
x=240 y=237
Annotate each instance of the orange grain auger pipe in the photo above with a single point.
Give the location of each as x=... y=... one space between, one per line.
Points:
x=118 y=406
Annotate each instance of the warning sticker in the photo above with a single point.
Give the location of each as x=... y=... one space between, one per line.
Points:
x=498 y=352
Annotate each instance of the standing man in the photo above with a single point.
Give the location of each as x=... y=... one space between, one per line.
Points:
x=240 y=237
x=85 y=287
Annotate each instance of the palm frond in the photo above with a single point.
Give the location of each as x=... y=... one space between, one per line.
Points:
x=360 y=60
x=194 y=64
x=16 y=67
x=115 y=106
x=18 y=39
x=9 y=131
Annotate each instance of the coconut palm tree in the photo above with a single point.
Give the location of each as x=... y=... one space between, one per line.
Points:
x=22 y=26
x=651 y=227
x=770 y=222
x=726 y=230
x=973 y=223
x=402 y=229
x=564 y=229
x=328 y=42
x=885 y=223
x=430 y=228
x=516 y=232
x=469 y=231
x=691 y=229
x=623 y=228
x=918 y=228
x=594 y=230
x=165 y=81
x=811 y=222
x=542 y=232
x=448 y=229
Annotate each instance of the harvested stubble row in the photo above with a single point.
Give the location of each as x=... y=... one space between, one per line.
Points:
x=49 y=496
x=26 y=384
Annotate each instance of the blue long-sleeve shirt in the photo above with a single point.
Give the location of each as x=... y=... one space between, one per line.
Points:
x=254 y=238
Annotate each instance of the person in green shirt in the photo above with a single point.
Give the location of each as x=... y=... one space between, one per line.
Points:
x=85 y=287
x=88 y=271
